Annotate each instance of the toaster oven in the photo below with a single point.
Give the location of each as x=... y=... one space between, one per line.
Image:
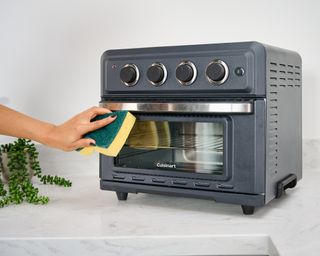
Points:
x=215 y=121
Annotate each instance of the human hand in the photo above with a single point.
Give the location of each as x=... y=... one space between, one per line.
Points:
x=68 y=136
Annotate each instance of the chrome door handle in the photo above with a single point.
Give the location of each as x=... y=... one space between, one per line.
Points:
x=186 y=107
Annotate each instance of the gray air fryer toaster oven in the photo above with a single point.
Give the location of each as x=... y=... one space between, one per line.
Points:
x=215 y=121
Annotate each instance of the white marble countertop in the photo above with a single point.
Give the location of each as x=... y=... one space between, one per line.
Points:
x=84 y=220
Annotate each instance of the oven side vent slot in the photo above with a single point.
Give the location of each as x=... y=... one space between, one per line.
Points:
x=282 y=77
x=274 y=81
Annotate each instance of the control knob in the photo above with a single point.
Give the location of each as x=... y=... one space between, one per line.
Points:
x=129 y=74
x=157 y=74
x=217 y=72
x=186 y=73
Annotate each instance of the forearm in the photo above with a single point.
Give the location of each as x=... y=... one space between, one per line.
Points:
x=13 y=123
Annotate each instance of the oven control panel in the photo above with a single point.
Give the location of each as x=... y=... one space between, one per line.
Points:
x=183 y=69
x=216 y=73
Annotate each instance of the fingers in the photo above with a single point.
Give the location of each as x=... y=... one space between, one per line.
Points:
x=94 y=111
x=81 y=144
x=98 y=124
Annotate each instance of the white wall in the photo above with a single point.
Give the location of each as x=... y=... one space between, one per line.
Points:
x=50 y=50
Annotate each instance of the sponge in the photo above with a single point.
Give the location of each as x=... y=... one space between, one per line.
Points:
x=110 y=138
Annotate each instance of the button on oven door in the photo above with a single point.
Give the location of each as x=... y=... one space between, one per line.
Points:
x=158 y=180
x=224 y=186
x=179 y=182
x=136 y=178
x=202 y=184
x=118 y=177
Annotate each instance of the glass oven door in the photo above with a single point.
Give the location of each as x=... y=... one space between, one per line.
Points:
x=183 y=146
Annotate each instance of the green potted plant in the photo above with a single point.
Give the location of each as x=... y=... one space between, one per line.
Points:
x=18 y=164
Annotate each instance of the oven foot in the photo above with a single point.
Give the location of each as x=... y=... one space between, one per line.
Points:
x=122 y=196
x=288 y=182
x=247 y=209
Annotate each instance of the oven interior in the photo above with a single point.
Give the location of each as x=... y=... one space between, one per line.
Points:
x=183 y=146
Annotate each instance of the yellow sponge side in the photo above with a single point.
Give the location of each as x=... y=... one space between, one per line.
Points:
x=87 y=151
x=120 y=138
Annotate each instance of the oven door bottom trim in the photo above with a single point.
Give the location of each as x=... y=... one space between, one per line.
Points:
x=223 y=197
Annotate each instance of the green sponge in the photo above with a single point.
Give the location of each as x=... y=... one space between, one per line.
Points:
x=110 y=138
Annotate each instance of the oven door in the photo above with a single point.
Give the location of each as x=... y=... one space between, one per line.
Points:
x=167 y=144
x=185 y=140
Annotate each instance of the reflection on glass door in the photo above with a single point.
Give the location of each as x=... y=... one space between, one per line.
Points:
x=195 y=147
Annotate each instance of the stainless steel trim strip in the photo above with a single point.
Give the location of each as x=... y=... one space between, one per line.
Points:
x=186 y=107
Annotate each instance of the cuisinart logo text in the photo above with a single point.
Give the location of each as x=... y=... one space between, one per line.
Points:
x=165 y=165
